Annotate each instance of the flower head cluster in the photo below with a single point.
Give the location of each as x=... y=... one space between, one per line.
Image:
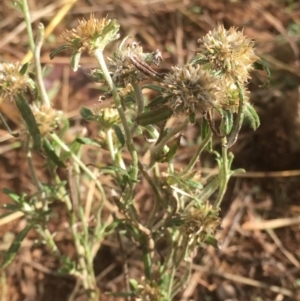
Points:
x=91 y=34
x=106 y=117
x=192 y=89
x=228 y=52
x=123 y=70
x=46 y=118
x=200 y=222
x=149 y=290
x=12 y=80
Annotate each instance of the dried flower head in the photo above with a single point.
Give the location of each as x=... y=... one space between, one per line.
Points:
x=12 y=80
x=46 y=118
x=200 y=222
x=130 y=64
x=106 y=117
x=192 y=89
x=91 y=34
x=229 y=52
x=149 y=290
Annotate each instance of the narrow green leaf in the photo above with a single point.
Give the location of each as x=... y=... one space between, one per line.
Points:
x=24 y=68
x=57 y=50
x=87 y=114
x=30 y=121
x=119 y=134
x=168 y=157
x=74 y=147
x=86 y=141
x=159 y=100
x=211 y=241
x=208 y=190
x=113 y=169
x=152 y=87
x=75 y=60
x=15 y=197
x=192 y=117
x=133 y=283
x=204 y=128
x=112 y=226
x=262 y=65
x=252 y=116
x=194 y=184
x=154 y=116
x=51 y=154
x=14 y=247
x=232 y=137
x=227 y=121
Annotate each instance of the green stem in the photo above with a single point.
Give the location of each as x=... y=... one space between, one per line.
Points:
x=196 y=155
x=37 y=62
x=62 y=193
x=240 y=117
x=129 y=142
x=26 y=13
x=157 y=200
x=140 y=103
x=31 y=168
x=224 y=173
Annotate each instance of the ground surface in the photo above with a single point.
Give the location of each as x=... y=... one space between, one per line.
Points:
x=253 y=263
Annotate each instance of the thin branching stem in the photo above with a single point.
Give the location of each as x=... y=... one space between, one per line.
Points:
x=129 y=142
x=80 y=163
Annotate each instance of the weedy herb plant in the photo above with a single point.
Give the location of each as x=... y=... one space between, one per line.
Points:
x=185 y=210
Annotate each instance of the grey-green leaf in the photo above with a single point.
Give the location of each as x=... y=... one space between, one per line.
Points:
x=14 y=247
x=251 y=116
x=30 y=121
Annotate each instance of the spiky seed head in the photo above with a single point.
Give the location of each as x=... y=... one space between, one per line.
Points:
x=229 y=52
x=91 y=34
x=12 y=80
x=191 y=89
x=46 y=118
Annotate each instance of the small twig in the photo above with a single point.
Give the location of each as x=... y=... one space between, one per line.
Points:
x=144 y=67
x=284 y=251
x=244 y=280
